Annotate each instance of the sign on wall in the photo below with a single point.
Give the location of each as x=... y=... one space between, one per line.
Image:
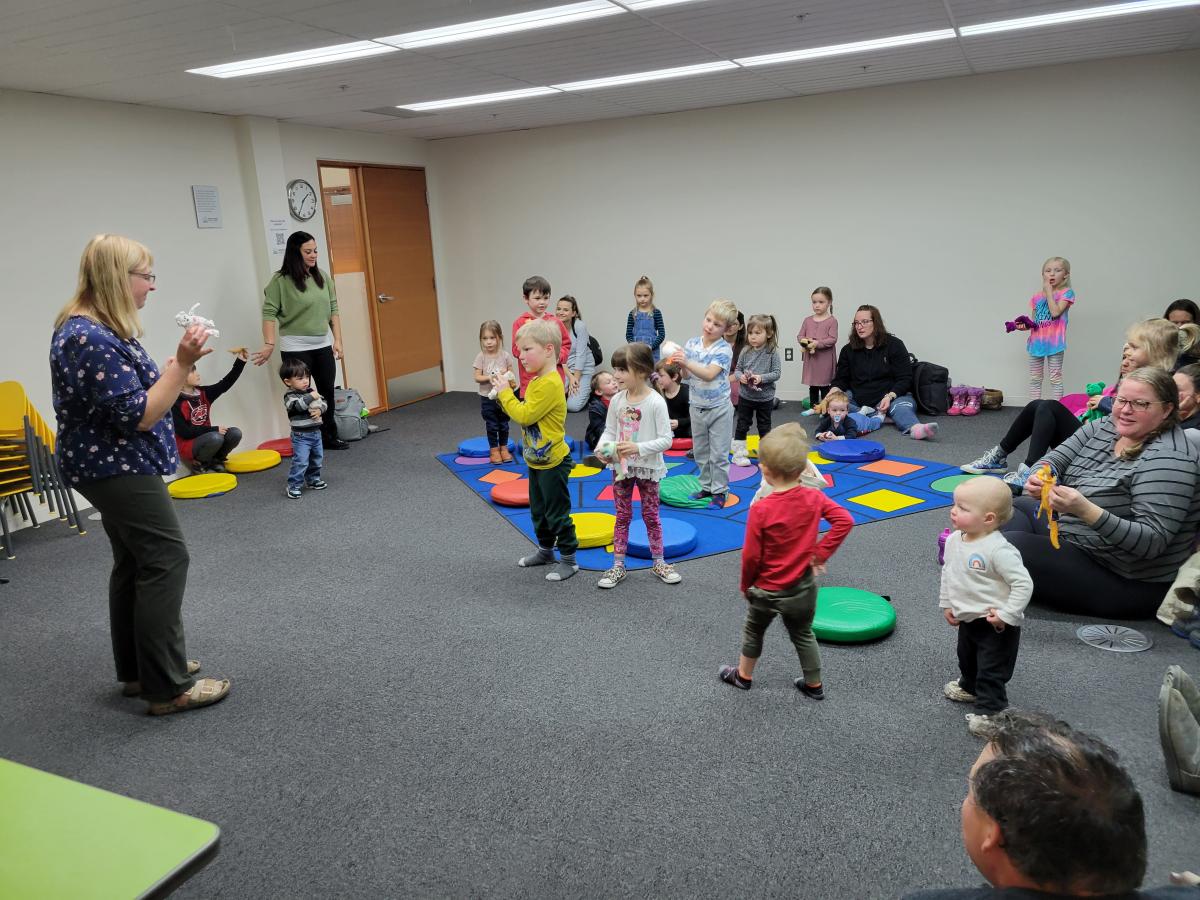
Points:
x=208 y=205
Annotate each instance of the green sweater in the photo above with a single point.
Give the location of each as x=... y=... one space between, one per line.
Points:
x=304 y=312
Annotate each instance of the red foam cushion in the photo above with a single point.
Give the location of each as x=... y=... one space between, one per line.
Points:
x=512 y=493
x=282 y=446
x=681 y=444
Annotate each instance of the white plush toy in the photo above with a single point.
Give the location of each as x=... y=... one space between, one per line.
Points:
x=511 y=377
x=667 y=349
x=189 y=318
x=608 y=451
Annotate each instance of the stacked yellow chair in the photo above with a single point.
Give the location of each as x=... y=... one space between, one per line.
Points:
x=28 y=469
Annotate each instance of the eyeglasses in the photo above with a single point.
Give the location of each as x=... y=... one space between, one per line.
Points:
x=1139 y=405
x=149 y=276
x=863 y=323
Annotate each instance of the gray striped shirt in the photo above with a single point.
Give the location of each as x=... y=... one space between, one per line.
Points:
x=1151 y=505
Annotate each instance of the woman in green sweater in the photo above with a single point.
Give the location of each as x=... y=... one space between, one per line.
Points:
x=300 y=311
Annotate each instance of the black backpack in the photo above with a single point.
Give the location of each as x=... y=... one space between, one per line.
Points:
x=931 y=387
x=594 y=346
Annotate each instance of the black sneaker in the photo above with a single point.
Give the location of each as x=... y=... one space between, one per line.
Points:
x=729 y=675
x=217 y=466
x=293 y=493
x=317 y=485
x=700 y=495
x=336 y=444
x=817 y=693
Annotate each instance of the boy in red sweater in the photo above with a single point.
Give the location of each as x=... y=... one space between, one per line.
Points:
x=782 y=554
x=536 y=291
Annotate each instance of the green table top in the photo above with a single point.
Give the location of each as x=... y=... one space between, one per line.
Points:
x=60 y=838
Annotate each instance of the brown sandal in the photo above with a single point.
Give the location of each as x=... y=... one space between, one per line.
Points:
x=134 y=688
x=204 y=692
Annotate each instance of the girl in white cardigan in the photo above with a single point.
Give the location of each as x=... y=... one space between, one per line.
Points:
x=636 y=433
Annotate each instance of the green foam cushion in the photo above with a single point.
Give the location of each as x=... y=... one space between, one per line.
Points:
x=849 y=616
x=674 y=490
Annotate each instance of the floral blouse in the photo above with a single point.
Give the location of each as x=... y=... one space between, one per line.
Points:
x=99 y=383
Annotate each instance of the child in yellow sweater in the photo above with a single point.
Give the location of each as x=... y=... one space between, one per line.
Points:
x=543 y=416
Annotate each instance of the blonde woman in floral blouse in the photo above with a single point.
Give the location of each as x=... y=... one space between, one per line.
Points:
x=115 y=442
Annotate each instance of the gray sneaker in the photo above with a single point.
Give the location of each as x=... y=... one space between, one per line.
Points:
x=981 y=725
x=995 y=460
x=953 y=691
x=1018 y=478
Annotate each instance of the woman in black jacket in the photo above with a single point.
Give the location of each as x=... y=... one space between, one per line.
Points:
x=875 y=372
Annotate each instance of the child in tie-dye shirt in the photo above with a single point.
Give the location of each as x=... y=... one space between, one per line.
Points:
x=1048 y=339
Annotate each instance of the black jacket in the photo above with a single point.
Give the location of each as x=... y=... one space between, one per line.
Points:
x=869 y=374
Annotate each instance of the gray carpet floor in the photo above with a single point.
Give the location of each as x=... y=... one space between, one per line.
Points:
x=414 y=716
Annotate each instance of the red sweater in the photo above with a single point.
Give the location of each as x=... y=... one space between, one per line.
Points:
x=782 y=537
x=563 y=354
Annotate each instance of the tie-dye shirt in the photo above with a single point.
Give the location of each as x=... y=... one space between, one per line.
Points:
x=100 y=383
x=1050 y=338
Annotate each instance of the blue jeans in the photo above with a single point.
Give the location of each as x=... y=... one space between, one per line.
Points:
x=902 y=411
x=307 y=455
x=495 y=420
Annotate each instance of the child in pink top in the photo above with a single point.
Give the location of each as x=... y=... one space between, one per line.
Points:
x=1048 y=341
x=818 y=342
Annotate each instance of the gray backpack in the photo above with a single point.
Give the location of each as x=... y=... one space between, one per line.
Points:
x=350 y=414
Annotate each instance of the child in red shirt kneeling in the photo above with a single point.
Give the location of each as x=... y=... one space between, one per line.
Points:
x=781 y=555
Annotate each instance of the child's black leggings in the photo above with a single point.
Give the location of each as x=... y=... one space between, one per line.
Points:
x=817 y=392
x=752 y=409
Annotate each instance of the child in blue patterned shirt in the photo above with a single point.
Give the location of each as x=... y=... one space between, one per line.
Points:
x=707 y=359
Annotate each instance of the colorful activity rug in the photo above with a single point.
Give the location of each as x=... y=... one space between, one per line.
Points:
x=871 y=491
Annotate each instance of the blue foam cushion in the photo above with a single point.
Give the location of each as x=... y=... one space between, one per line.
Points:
x=678 y=538
x=478 y=447
x=852 y=451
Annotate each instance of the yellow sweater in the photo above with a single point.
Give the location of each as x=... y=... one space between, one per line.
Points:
x=543 y=415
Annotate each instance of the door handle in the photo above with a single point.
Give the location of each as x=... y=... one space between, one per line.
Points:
x=384 y=298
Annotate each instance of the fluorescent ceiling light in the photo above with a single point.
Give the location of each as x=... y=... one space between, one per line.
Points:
x=651 y=4
x=480 y=98
x=319 y=57
x=1077 y=15
x=658 y=75
x=922 y=37
x=483 y=28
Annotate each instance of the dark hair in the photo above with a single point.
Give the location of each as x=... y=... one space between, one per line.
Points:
x=595 y=384
x=674 y=371
x=292 y=368
x=535 y=283
x=1071 y=818
x=574 y=310
x=293 y=262
x=880 y=334
x=1192 y=374
x=827 y=294
x=637 y=358
x=1184 y=305
x=739 y=342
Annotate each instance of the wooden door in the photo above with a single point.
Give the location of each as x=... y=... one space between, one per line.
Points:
x=400 y=257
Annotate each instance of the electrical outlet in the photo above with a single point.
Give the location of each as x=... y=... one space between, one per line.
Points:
x=787 y=353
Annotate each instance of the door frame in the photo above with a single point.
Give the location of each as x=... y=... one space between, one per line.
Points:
x=372 y=293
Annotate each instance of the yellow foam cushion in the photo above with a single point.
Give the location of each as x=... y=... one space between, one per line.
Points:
x=196 y=486
x=594 y=529
x=252 y=460
x=885 y=500
x=582 y=471
x=752 y=446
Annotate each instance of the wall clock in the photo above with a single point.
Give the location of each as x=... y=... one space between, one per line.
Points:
x=302 y=200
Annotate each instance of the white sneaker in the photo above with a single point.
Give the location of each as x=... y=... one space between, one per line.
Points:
x=867 y=411
x=740 y=455
x=612 y=577
x=952 y=691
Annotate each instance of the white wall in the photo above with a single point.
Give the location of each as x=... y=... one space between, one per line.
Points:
x=77 y=167
x=935 y=201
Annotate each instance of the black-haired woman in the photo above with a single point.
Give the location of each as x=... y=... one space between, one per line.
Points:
x=300 y=311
